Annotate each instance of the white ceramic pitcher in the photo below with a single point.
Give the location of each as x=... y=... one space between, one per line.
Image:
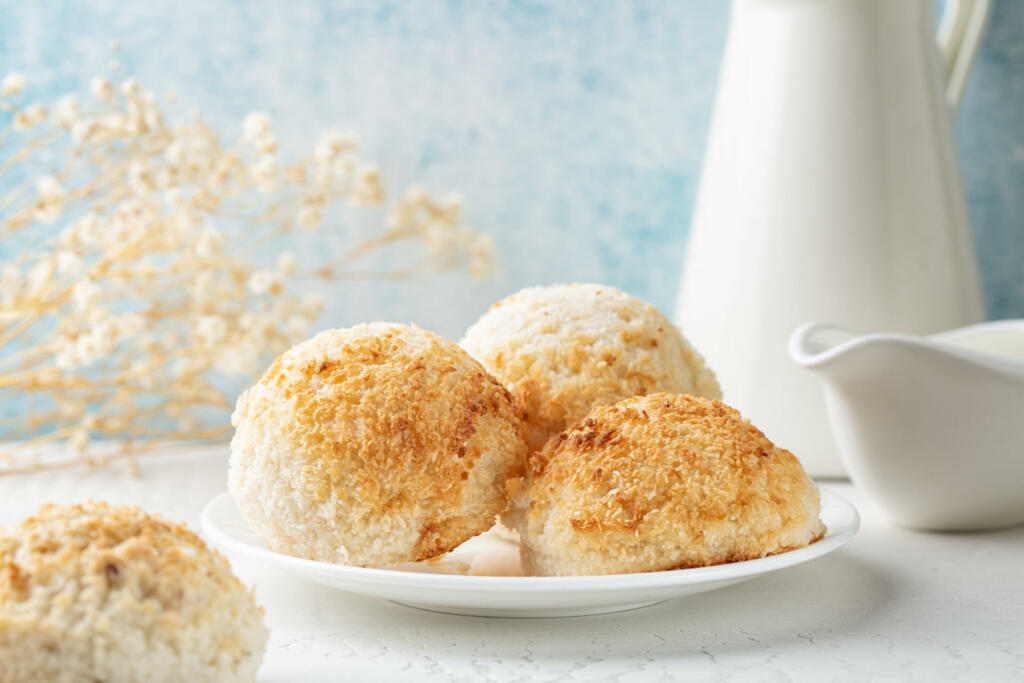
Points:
x=830 y=190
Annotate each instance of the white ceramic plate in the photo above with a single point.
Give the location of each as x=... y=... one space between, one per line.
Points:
x=445 y=586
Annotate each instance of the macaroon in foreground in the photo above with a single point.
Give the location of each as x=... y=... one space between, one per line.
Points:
x=374 y=445
x=98 y=592
x=564 y=349
x=664 y=481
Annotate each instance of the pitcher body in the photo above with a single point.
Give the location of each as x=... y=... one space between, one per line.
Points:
x=830 y=189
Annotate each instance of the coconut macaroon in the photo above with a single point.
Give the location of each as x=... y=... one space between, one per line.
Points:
x=373 y=445
x=99 y=592
x=564 y=349
x=664 y=481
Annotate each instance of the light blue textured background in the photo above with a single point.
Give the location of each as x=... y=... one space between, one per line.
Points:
x=574 y=129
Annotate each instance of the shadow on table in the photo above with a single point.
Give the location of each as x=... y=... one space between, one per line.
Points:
x=834 y=593
x=829 y=598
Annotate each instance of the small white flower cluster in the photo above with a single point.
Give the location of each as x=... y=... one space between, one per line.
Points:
x=438 y=224
x=29 y=117
x=141 y=292
x=50 y=198
x=12 y=84
x=82 y=340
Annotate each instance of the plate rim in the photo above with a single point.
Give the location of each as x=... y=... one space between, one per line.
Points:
x=534 y=584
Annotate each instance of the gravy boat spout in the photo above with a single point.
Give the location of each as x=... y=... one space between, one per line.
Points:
x=928 y=427
x=832 y=351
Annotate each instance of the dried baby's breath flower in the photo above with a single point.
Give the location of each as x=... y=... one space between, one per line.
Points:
x=481 y=255
x=32 y=115
x=263 y=281
x=285 y=264
x=211 y=330
x=332 y=144
x=65 y=111
x=309 y=217
x=265 y=173
x=149 y=287
x=50 y=198
x=255 y=126
x=101 y=88
x=12 y=84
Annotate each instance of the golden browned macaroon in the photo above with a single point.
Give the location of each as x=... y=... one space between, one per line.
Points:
x=99 y=592
x=562 y=350
x=373 y=445
x=664 y=481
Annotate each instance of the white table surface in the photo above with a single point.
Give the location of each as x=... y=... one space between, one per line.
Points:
x=891 y=605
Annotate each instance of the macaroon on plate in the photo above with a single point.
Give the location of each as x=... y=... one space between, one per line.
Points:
x=479 y=577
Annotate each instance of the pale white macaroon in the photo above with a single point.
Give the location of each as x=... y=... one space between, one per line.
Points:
x=374 y=445
x=98 y=592
x=564 y=349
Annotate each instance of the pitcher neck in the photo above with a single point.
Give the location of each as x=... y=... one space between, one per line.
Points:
x=919 y=13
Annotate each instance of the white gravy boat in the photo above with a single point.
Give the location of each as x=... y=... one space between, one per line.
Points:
x=931 y=428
